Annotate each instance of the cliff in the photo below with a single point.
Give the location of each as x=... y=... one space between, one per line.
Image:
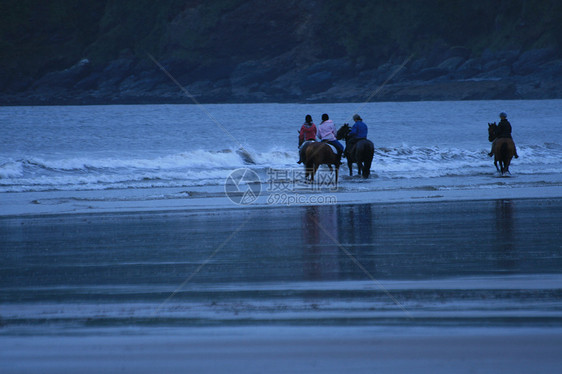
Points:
x=70 y=52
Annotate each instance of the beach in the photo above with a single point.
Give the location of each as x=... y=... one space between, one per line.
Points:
x=182 y=238
x=464 y=286
x=303 y=350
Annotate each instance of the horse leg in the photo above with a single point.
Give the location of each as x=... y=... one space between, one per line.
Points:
x=314 y=168
x=509 y=156
x=350 y=166
x=307 y=170
x=506 y=165
x=367 y=168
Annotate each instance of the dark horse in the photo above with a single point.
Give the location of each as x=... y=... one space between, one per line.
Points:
x=504 y=149
x=361 y=154
x=315 y=154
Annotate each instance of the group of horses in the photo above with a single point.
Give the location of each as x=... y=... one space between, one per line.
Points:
x=318 y=153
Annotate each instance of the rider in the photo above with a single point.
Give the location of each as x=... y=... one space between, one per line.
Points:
x=358 y=132
x=306 y=133
x=503 y=131
x=327 y=133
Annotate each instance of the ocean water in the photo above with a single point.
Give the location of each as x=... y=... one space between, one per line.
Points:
x=77 y=148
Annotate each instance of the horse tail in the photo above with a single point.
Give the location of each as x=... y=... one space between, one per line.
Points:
x=367 y=158
x=507 y=150
x=503 y=151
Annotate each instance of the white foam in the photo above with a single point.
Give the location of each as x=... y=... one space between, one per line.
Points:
x=11 y=169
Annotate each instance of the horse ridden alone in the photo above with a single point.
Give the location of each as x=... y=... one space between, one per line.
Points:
x=504 y=149
x=361 y=154
x=316 y=154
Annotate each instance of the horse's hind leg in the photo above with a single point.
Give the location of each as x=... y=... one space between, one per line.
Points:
x=314 y=169
x=502 y=167
x=350 y=166
x=506 y=166
x=365 y=170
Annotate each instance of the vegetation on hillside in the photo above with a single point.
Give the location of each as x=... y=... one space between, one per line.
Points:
x=39 y=36
x=379 y=29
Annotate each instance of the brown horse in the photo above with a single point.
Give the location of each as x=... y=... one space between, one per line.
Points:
x=316 y=154
x=504 y=149
x=361 y=154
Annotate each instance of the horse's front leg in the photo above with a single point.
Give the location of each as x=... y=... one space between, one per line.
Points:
x=350 y=166
x=496 y=165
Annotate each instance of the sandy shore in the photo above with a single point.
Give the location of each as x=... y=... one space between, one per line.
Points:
x=285 y=350
x=433 y=287
x=351 y=191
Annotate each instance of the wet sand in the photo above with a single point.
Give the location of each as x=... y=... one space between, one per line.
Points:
x=287 y=350
x=465 y=286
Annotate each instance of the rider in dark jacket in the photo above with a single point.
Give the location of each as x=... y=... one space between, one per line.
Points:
x=503 y=131
x=358 y=131
x=504 y=128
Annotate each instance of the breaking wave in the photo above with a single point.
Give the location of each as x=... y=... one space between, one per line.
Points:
x=205 y=167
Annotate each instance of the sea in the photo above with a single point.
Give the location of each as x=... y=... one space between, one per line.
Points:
x=182 y=147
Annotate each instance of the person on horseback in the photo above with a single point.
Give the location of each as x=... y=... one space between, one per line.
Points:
x=307 y=132
x=327 y=133
x=358 y=131
x=503 y=131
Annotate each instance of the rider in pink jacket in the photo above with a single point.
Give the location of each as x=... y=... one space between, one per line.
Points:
x=327 y=133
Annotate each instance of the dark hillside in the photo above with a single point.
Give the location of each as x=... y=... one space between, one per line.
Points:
x=80 y=52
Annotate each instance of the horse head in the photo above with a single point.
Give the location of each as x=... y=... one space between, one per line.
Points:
x=343 y=132
x=492 y=127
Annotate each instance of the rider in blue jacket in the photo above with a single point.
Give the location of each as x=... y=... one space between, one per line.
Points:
x=358 y=131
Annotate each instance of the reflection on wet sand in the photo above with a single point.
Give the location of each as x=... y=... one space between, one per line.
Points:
x=506 y=243
x=320 y=239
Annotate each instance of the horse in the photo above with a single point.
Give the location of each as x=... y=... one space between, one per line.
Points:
x=361 y=154
x=316 y=154
x=504 y=149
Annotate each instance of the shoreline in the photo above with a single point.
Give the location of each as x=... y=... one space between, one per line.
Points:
x=279 y=350
x=161 y=200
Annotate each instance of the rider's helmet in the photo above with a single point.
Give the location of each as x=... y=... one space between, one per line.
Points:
x=503 y=115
